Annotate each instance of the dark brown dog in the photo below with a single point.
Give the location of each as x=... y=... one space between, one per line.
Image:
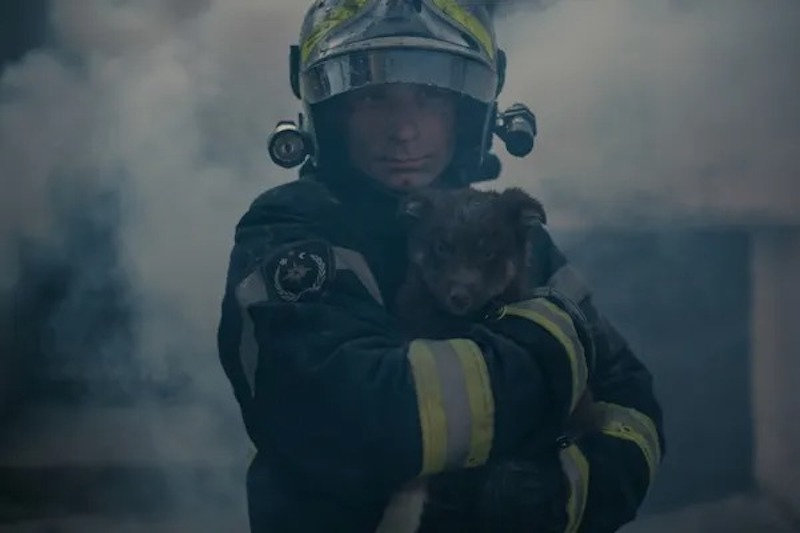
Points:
x=468 y=250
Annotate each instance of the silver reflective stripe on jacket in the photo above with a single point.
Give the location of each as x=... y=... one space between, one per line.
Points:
x=250 y=291
x=570 y=283
x=456 y=406
x=347 y=259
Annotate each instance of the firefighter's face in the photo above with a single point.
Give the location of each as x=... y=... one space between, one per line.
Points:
x=401 y=135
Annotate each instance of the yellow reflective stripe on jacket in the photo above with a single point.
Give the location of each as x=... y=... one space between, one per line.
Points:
x=456 y=406
x=576 y=468
x=559 y=325
x=334 y=18
x=468 y=21
x=630 y=424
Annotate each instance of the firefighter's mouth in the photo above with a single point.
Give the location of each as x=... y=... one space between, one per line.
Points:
x=405 y=163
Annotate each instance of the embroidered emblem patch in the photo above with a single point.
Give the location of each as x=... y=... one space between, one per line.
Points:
x=299 y=271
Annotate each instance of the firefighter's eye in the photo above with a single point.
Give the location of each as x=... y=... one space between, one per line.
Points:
x=434 y=96
x=368 y=97
x=433 y=92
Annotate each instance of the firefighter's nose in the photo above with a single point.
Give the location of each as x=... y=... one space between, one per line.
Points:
x=460 y=299
x=403 y=128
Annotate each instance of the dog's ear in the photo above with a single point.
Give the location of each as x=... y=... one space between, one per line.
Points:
x=415 y=207
x=525 y=211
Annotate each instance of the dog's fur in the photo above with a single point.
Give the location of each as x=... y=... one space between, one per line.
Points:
x=468 y=251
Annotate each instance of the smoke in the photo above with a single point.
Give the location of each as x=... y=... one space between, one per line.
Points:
x=148 y=120
x=165 y=108
x=656 y=117
x=654 y=109
x=130 y=146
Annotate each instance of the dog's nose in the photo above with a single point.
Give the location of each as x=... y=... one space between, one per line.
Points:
x=460 y=300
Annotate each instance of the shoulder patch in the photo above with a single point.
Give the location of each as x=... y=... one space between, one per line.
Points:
x=299 y=271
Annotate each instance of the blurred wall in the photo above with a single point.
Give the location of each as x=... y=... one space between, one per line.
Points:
x=776 y=363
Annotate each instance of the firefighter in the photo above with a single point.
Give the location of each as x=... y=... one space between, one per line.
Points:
x=342 y=409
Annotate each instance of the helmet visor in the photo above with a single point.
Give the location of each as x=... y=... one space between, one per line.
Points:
x=408 y=64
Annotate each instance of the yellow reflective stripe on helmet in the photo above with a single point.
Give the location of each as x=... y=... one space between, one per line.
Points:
x=456 y=406
x=630 y=424
x=576 y=467
x=558 y=323
x=333 y=18
x=468 y=21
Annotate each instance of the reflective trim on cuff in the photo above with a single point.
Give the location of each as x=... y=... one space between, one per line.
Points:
x=629 y=424
x=456 y=406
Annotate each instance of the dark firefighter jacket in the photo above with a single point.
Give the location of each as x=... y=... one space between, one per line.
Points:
x=343 y=409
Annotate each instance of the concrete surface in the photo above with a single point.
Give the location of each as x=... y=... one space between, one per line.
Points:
x=203 y=523
x=743 y=513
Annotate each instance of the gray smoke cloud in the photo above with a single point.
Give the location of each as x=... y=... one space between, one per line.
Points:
x=168 y=105
x=645 y=108
x=147 y=119
x=659 y=109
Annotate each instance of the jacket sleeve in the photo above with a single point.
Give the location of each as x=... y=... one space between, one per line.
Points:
x=333 y=391
x=611 y=467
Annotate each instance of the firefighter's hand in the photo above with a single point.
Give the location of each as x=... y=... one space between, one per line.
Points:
x=453 y=501
x=517 y=496
x=554 y=331
x=579 y=320
x=524 y=496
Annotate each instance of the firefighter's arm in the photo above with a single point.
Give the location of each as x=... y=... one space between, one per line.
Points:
x=611 y=467
x=340 y=396
x=626 y=446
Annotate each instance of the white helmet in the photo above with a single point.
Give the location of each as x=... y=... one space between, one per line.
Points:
x=346 y=45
